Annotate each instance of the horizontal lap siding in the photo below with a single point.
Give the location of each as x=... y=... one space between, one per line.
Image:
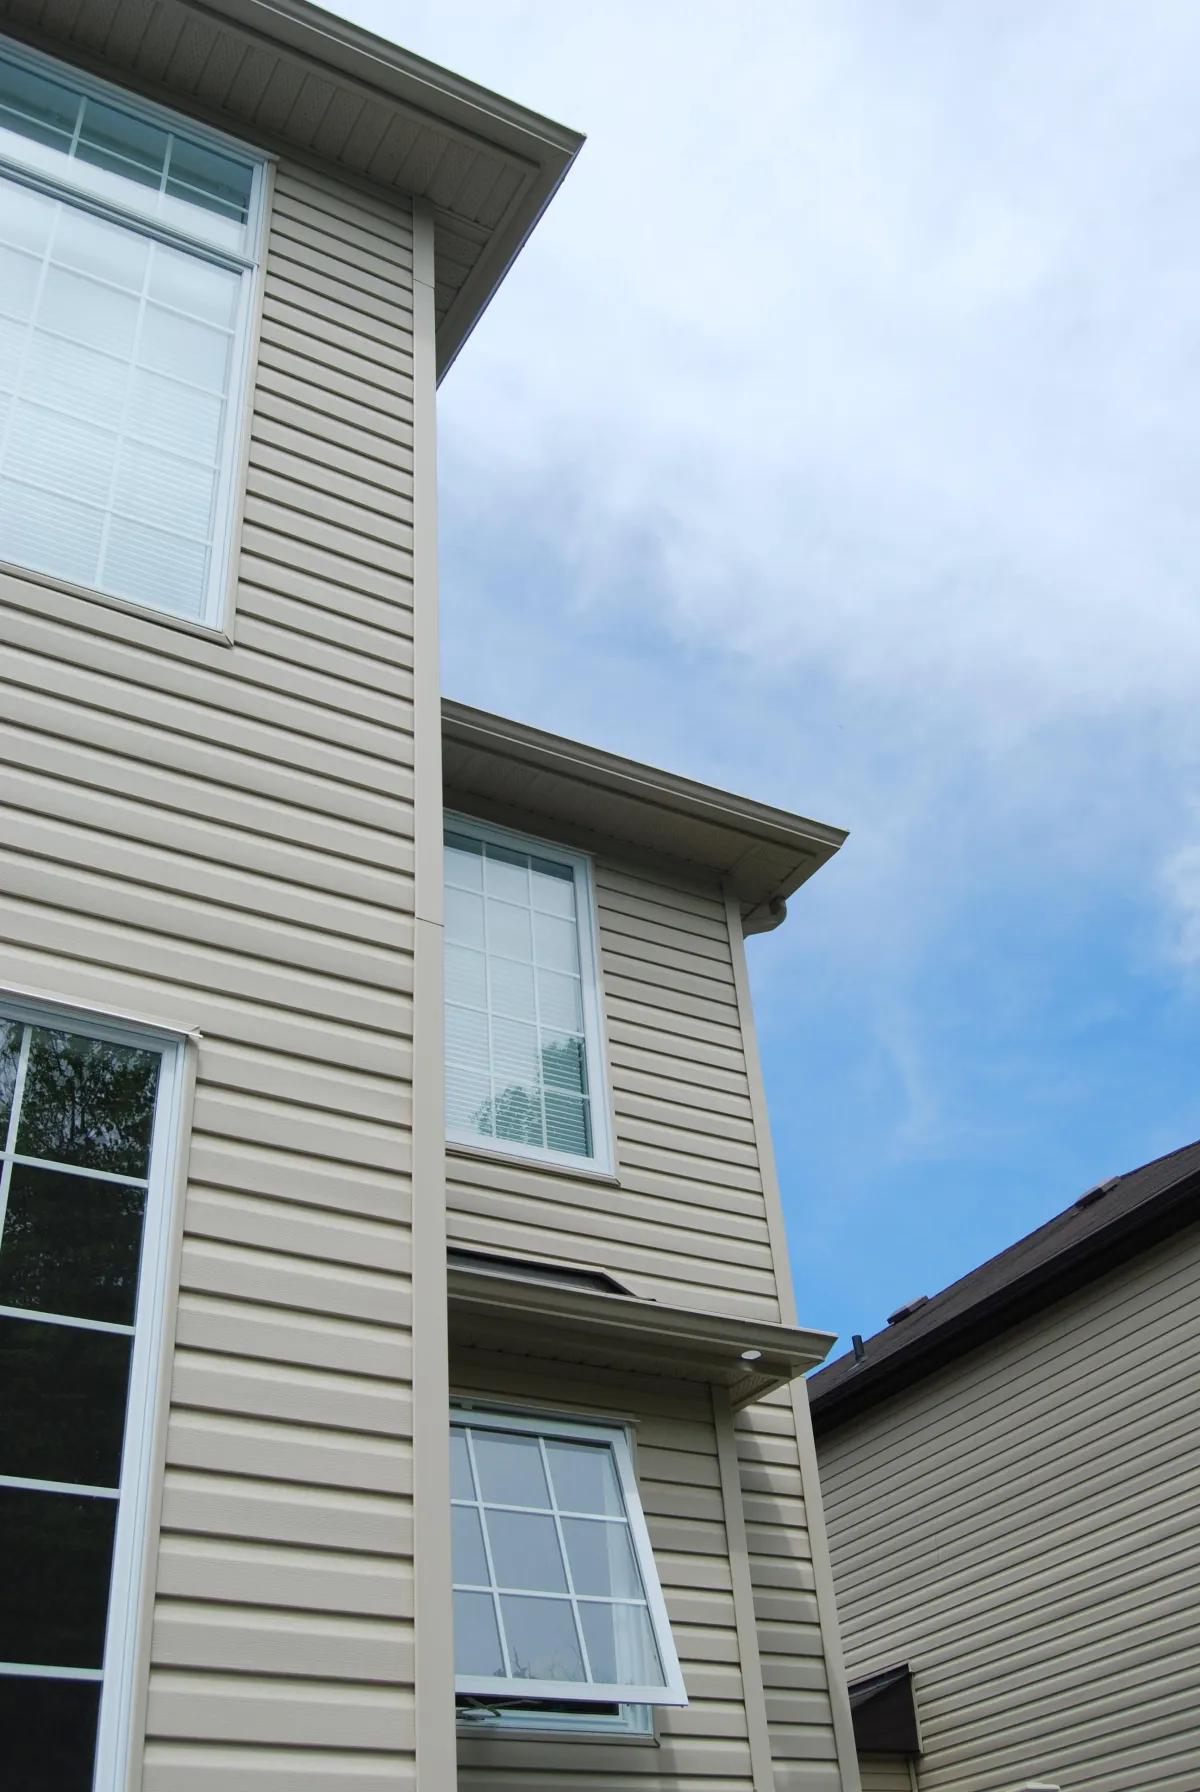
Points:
x=885 y=1773
x=1021 y=1529
x=799 y=1715
x=687 y=1225
x=223 y=839
x=702 y=1748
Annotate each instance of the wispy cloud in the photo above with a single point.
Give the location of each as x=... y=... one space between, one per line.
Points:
x=836 y=435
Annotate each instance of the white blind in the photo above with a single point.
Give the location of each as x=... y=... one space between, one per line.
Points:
x=516 y=1049
x=115 y=361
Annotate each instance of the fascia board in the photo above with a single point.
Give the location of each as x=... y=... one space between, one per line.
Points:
x=812 y=842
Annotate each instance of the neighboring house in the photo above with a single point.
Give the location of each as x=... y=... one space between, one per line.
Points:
x=1011 y=1474
x=265 y=1336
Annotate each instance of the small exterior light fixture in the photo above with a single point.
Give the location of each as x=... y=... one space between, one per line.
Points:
x=751 y=1356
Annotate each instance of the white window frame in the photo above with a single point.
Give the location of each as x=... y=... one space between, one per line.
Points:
x=245 y=262
x=673 y=1691
x=595 y=1049
x=126 y=1586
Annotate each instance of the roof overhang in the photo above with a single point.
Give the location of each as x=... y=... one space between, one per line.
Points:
x=501 y=769
x=496 y=1311
x=297 y=77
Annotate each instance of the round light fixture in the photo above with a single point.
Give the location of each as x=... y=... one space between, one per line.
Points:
x=751 y=1356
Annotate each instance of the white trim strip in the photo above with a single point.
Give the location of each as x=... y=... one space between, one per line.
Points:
x=34 y=1486
x=34 y=1671
x=83 y=1325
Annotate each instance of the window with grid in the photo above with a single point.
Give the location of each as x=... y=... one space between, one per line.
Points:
x=126 y=256
x=524 y=1064
x=77 y=1137
x=556 y=1596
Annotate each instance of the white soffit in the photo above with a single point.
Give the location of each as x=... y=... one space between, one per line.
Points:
x=593 y=799
x=292 y=75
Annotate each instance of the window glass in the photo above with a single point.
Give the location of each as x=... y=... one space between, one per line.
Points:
x=120 y=352
x=518 y=1064
x=550 y=1595
x=76 y=1126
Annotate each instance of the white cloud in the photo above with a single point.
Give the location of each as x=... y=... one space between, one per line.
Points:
x=862 y=349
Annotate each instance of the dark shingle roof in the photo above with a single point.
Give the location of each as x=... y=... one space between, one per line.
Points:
x=1091 y=1236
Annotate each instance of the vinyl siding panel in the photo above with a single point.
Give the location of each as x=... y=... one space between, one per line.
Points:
x=685 y=1156
x=883 y=1773
x=221 y=837
x=1020 y=1528
x=705 y=1744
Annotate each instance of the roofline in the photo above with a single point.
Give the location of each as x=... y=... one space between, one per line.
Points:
x=1080 y=1262
x=424 y=87
x=630 y=778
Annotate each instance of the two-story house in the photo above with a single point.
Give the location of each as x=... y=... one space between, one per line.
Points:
x=398 y=1355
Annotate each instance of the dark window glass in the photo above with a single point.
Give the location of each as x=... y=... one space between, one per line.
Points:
x=37 y=108
x=48 y=1733
x=124 y=145
x=54 y=1588
x=62 y=1402
x=209 y=179
x=88 y=1103
x=10 y=1051
x=70 y=1245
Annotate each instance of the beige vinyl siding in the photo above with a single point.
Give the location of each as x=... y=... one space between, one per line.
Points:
x=886 y=1773
x=803 y=1748
x=685 y=1153
x=1021 y=1529
x=702 y=1747
x=221 y=838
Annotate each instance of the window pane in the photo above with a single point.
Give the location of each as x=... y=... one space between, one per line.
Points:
x=567 y=1126
x=174 y=416
x=556 y=943
x=542 y=1641
x=10 y=1051
x=209 y=179
x=156 y=487
x=19 y=276
x=49 y=1731
x=525 y=1551
x=197 y=287
x=559 y=1002
x=553 y=887
x=464 y=918
x=470 y=1561
x=61 y=454
x=464 y=861
x=127 y=145
x=151 y=567
x=105 y=251
x=462 y=1483
x=585 y=1478
x=508 y=930
x=88 y=1103
x=62 y=1402
x=476 y=1637
x=71 y=1245
x=510 y=1469
x=184 y=348
x=466 y=976
x=54 y=1585
x=512 y=989
x=468 y=1099
x=83 y=310
x=601 y=1556
x=467 y=1038
x=620 y=1644
x=516 y=1114
x=564 y=1064
x=34 y=106
x=26 y=218
x=514 y=1052
x=49 y=533
x=80 y=381
x=506 y=873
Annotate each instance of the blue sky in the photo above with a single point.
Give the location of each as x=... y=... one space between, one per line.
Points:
x=835 y=439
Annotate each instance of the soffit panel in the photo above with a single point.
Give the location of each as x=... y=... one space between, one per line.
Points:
x=371 y=117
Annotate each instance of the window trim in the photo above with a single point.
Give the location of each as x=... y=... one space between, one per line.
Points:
x=619 y=1436
x=246 y=262
x=595 y=1044
x=131 y=1578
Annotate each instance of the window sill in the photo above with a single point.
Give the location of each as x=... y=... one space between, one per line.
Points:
x=489 y=1154
x=468 y=1732
x=146 y=612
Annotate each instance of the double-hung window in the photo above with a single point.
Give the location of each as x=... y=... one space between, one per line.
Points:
x=127 y=249
x=556 y=1597
x=83 y=1155
x=524 y=1055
